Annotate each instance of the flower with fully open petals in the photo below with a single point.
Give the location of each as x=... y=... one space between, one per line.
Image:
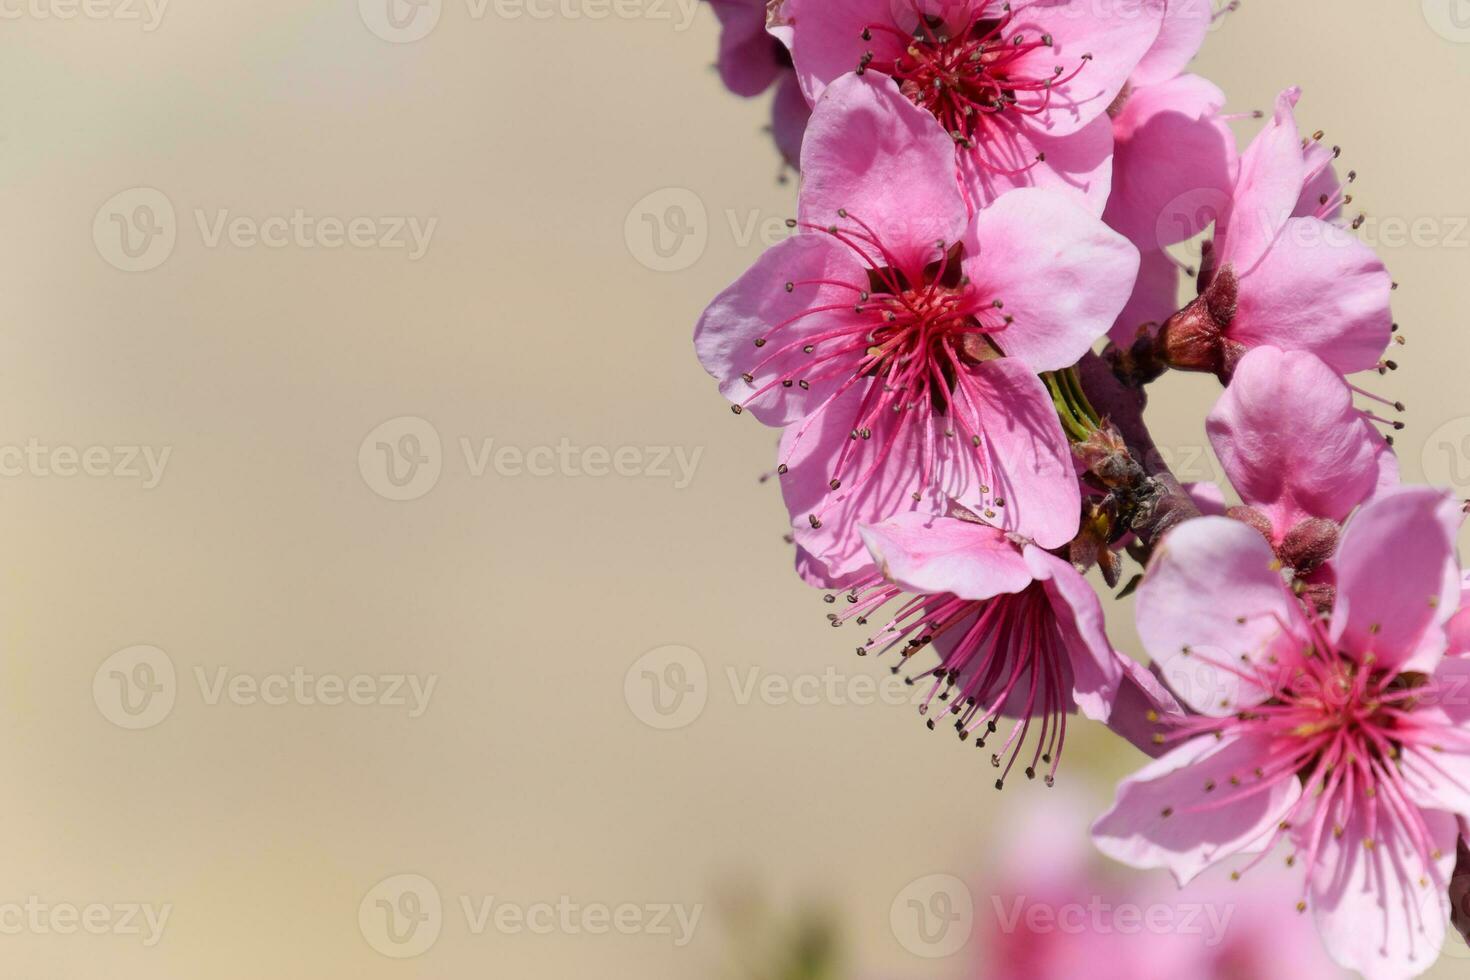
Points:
x=1340 y=740
x=898 y=339
x=1300 y=454
x=1019 y=633
x=752 y=59
x=1281 y=271
x=1022 y=88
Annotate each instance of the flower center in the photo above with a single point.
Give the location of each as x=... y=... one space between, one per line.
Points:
x=1350 y=733
x=974 y=75
x=906 y=345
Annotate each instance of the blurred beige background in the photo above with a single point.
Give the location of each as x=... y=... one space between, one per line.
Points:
x=281 y=364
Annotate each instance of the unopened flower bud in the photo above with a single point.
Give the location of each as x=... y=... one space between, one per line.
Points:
x=1309 y=544
x=1194 y=338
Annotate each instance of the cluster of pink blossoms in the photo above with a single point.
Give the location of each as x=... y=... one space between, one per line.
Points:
x=955 y=342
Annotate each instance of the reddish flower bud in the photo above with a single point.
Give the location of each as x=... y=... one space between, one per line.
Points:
x=1194 y=338
x=1309 y=544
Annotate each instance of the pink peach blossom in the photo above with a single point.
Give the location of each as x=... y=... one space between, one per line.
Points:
x=1281 y=272
x=1019 y=634
x=1341 y=736
x=1022 y=88
x=897 y=338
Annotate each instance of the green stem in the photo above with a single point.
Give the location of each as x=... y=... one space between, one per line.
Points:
x=1079 y=419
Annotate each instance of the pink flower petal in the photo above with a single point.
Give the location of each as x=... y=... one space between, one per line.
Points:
x=1101 y=43
x=1374 y=915
x=1398 y=581
x=1266 y=192
x=1142 y=701
x=789 y=116
x=873 y=153
x=1026 y=456
x=929 y=555
x=1059 y=272
x=1211 y=604
x=1174 y=163
x=1321 y=182
x=1290 y=439
x=1208 y=497
x=1438 y=777
x=1186 y=22
x=758 y=301
x=1079 y=164
x=1155 y=297
x=1023 y=460
x=1170 y=814
x=810 y=450
x=1318 y=289
x=1097 y=669
x=826 y=38
x=747 y=60
x=1458 y=628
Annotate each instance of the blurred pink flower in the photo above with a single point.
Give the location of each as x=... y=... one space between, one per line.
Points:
x=1021 y=88
x=752 y=59
x=1343 y=736
x=1052 y=913
x=897 y=338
